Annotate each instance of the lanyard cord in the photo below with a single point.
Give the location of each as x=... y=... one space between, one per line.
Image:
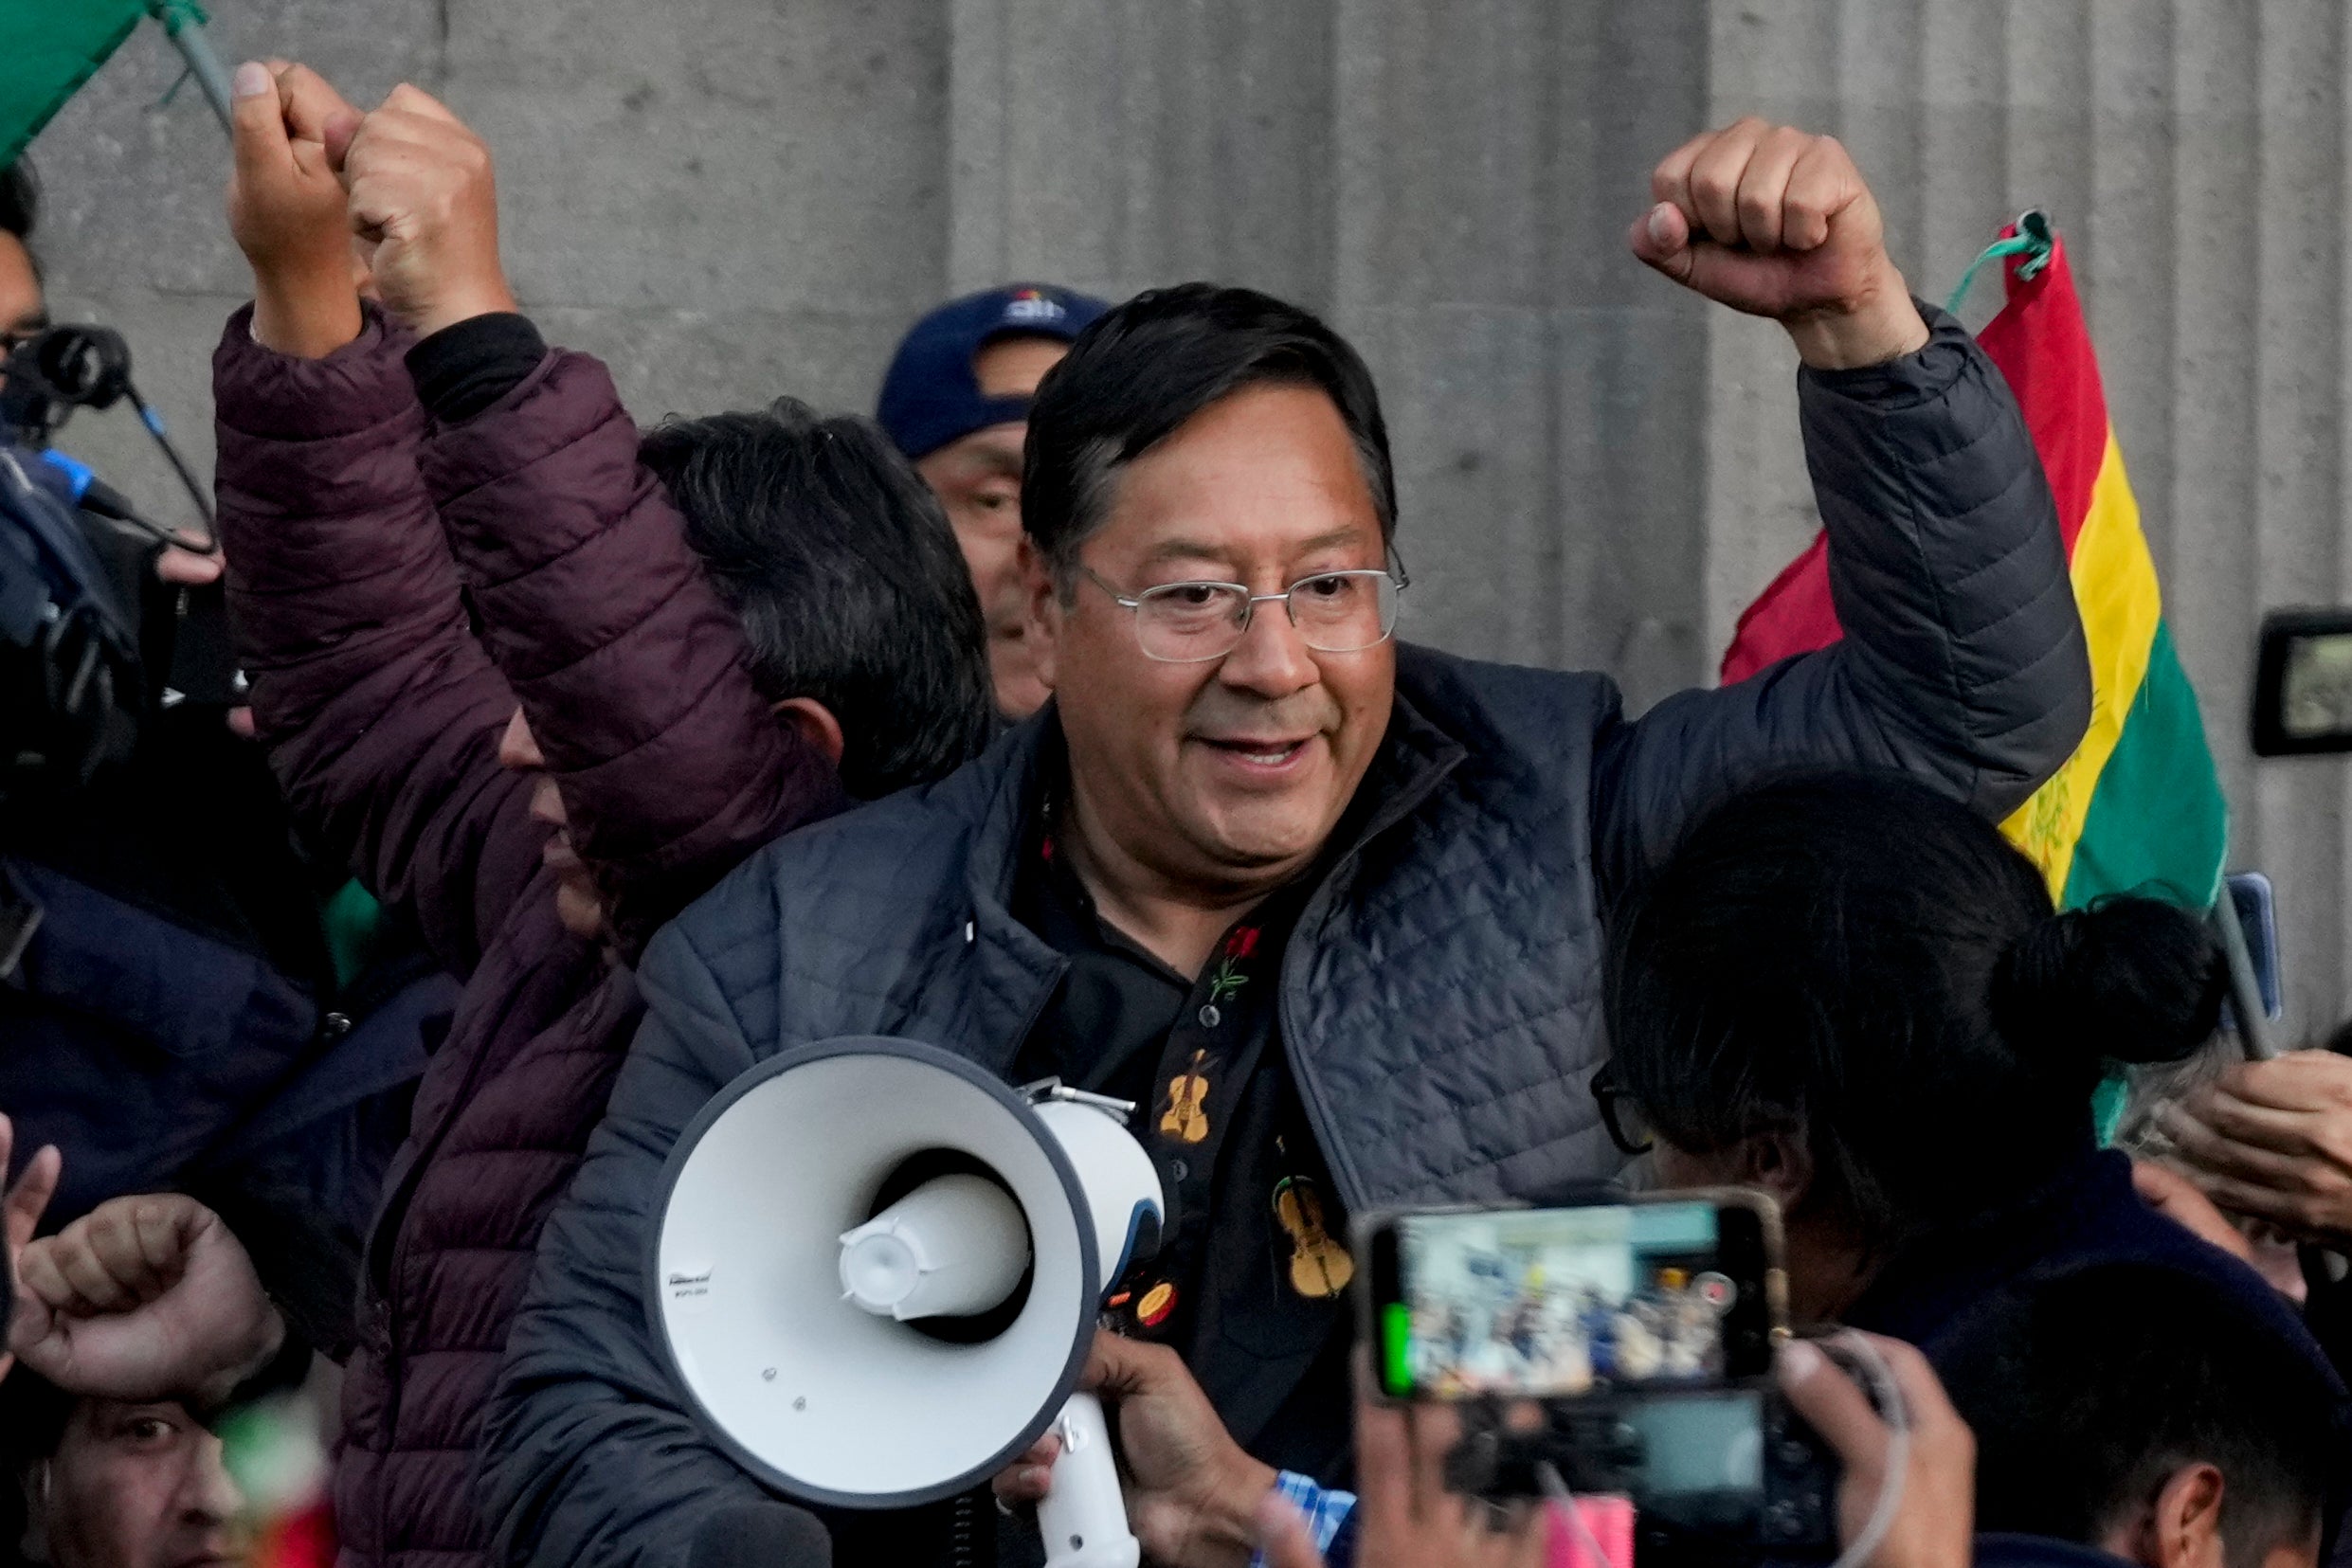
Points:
x=2032 y=240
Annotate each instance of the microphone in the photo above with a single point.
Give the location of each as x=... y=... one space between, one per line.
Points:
x=760 y=1535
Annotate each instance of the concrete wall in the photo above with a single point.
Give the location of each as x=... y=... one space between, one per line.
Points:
x=733 y=198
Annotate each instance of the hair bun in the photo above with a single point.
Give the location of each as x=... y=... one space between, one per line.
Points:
x=2130 y=979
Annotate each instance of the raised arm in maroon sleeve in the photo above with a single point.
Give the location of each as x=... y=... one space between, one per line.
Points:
x=632 y=673
x=381 y=713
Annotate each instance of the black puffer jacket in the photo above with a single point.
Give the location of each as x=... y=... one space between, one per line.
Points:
x=1441 y=993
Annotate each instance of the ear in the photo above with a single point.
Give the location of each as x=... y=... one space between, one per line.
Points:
x=1042 y=631
x=2181 y=1528
x=814 y=723
x=1779 y=1163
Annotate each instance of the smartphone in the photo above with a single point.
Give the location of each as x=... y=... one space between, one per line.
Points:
x=1642 y=1326
x=1661 y=1292
x=2257 y=916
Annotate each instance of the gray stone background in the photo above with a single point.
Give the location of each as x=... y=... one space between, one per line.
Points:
x=729 y=199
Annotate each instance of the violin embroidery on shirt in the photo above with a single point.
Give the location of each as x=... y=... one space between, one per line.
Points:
x=1320 y=1266
x=1186 y=1117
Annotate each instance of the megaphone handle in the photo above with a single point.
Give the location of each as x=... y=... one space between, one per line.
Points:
x=1083 y=1518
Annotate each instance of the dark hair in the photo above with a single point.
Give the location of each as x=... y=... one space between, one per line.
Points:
x=20 y=208
x=1136 y=375
x=848 y=578
x=1855 y=960
x=33 y=1416
x=20 y=199
x=2088 y=1391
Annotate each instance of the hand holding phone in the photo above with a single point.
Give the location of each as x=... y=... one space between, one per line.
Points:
x=1930 y=1512
x=1412 y=1519
x=1641 y=1327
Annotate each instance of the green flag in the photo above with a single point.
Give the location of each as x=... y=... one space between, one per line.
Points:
x=52 y=47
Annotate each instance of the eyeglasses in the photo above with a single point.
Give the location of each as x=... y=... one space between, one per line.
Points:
x=1336 y=612
x=1621 y=1113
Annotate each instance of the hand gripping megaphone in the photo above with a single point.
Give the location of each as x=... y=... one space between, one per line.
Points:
x=878 y=1275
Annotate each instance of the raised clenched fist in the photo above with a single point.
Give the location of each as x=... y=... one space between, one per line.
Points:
x=1775 y=222
x=424 y=198
x=286 y=207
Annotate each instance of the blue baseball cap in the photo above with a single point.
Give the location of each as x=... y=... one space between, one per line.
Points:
x=930 y=396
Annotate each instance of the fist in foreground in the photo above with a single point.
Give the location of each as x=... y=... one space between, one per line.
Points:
x=423 y=201
x=1774 y=221
x=148 y=1297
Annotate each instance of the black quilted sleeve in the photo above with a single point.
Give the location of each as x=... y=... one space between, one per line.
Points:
x=1963 y=661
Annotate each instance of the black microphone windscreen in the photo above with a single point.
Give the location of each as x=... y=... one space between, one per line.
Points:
x=760 y=1535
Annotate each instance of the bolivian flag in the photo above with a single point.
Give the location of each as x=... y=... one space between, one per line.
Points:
x=2138 y=807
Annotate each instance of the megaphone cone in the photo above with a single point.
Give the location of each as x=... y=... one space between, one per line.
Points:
x=877 y=1273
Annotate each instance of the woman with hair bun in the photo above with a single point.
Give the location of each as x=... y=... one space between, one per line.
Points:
x=1854 y=994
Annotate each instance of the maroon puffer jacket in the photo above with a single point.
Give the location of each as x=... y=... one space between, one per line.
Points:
x=350 y=522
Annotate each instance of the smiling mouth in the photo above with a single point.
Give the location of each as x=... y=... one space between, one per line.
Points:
x=1263 y=753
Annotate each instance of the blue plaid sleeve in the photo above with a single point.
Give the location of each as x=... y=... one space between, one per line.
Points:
x=1325 y=1510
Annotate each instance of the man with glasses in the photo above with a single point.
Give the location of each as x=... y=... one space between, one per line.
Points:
x=1323 y=904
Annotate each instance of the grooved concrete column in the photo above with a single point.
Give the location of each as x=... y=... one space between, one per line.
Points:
x=724 y=202
x=1452 y=189
x=1541 y=384
x=1112 y=145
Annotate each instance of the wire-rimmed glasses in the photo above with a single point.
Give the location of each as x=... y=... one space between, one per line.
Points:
x=1336 y=612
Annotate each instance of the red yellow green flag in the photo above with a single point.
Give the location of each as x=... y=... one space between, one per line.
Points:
x=2137 y=808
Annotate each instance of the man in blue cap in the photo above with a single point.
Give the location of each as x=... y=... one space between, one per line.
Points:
x=956 y=401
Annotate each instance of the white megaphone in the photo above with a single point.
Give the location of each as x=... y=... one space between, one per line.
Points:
x=877 y=1276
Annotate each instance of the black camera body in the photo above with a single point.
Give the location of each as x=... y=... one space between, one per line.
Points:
x=1777 y=1499
x=91 y=641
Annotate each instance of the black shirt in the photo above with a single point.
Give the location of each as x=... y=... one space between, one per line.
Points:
x=1248 y=1283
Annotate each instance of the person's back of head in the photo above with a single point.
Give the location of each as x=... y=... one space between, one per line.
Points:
x=848 y=582
x=2142 y=1410
x=1854 y=963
